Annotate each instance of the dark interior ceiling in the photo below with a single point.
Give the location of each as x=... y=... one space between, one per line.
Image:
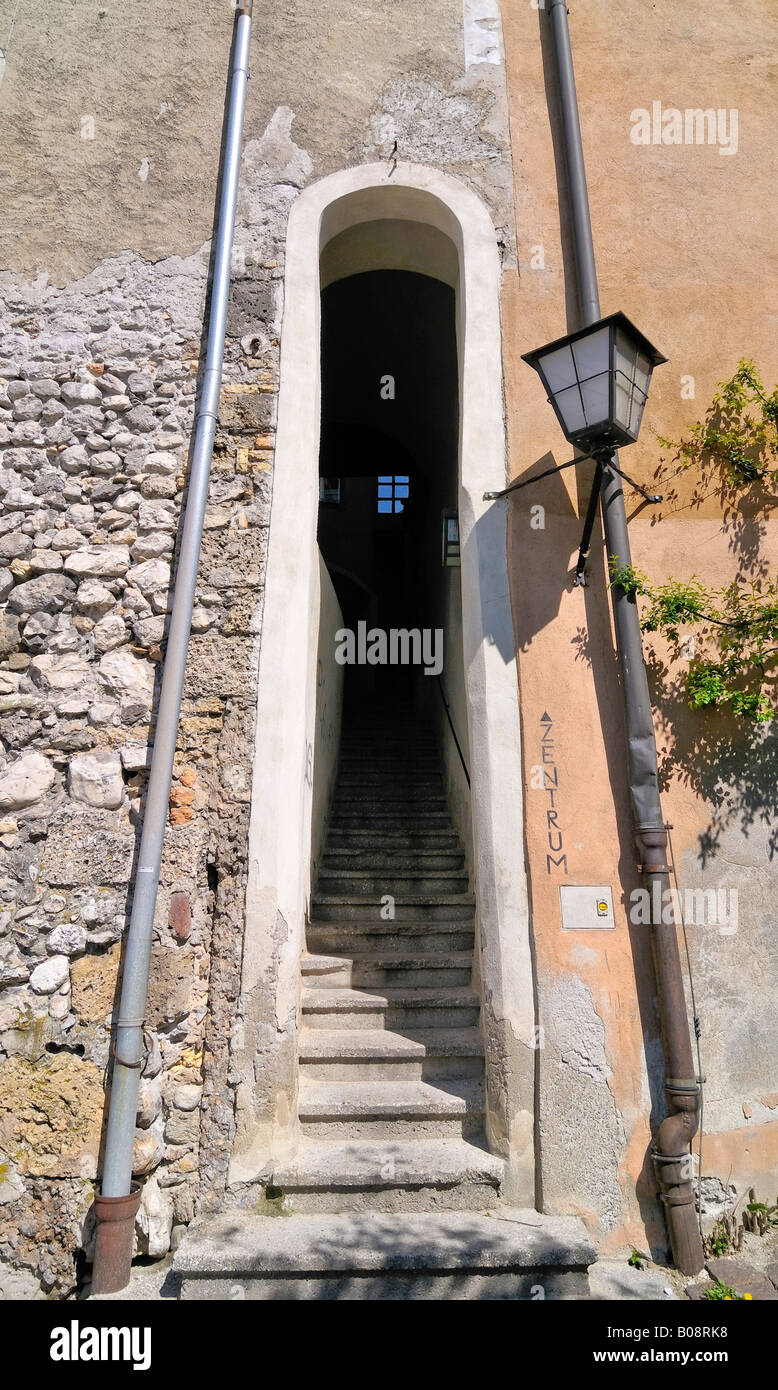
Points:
x=380 y=323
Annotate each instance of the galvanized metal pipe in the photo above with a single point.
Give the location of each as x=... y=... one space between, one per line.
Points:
x=672 y=1140
x=128 y=1043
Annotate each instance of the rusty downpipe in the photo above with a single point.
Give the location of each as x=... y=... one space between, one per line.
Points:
x=118 y=1202
x=672 y=1140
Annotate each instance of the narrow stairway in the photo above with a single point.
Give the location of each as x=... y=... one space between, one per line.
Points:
x=392 y=1193
x=391 y=1097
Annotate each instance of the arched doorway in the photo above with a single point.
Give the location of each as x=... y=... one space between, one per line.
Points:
x=417 y=221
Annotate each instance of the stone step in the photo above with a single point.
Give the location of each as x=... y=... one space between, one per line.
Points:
x=437 y=907
x=401 y=780
x=417 y=936
x=393 y=841
x=398 y=882
x=393 y=793
x=375 y=858
x=388 y=761
x=395 y=723
x=378 y=1054
x=414 y=765
x=359 y=1110
x=395 y=817
x=507 y=1255
x=389 y=1008
x=376 y=970
x=358 y=1174
x=385 y=750
x=381 y=826
x=418 y=797
x=382 y=749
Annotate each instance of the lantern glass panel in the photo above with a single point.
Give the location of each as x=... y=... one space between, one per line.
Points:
x=595 y=394
x=570 y=407
x=643 y=371
x=622 y=402
x=638 y=403
x=559 y=369
x=624 y=362
x=625 y=354
x=592 y=354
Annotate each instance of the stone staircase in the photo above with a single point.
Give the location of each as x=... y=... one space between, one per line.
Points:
x=388 y=1193
x=391 y=1058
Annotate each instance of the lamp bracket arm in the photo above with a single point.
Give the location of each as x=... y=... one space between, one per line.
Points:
x=525 y=482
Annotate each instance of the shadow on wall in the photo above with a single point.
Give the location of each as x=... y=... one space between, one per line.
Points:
x=487 y=538
x=733 y=767
x=744 y=513
x=529 y=552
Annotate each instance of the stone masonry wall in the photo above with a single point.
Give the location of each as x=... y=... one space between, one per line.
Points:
x=98 y=383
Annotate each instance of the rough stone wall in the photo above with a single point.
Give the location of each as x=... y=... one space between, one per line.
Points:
x=98 y=383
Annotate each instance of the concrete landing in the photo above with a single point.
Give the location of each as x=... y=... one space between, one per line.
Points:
x=510 y=1254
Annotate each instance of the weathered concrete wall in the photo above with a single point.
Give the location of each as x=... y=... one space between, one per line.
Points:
x=685 y=243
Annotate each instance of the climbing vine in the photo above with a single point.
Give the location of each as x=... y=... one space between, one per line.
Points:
x=729 y=636
x=739 y=435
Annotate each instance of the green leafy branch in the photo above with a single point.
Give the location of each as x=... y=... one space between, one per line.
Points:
x=729 y=636
x=739 y=433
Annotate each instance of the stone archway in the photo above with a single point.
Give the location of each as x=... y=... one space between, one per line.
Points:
x=433 y=224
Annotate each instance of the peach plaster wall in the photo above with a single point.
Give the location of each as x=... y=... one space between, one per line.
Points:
x=685 y=246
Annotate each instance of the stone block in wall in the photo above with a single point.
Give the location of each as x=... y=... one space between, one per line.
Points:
x=9 y=634
x=51 y=1115
x=25 y=1024
x=218 y=666
x=233 y=560
x=148 y=1149
x=243 y=617
x=171 y=985
x=183 y=1127
x=244 y=406
x=154 y=1220
x=96 y=778
x=93 y=985
x=47 y=594
x=180 y=916
x=87 y=847
x=130 y=680
x=26 y=781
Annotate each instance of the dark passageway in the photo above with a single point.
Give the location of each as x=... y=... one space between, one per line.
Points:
x=387 y=460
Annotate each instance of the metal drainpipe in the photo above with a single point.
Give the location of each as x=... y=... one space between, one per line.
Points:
x=671 y=1153
x=115 y=1208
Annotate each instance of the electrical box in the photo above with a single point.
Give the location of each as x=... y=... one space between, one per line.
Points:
x=586 y=909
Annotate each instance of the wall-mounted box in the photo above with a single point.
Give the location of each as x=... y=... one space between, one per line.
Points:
x=586 y=909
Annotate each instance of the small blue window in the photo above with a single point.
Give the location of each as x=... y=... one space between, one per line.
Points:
x=393 y=493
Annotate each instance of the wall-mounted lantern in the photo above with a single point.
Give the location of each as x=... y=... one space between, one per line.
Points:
x=597 y=380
